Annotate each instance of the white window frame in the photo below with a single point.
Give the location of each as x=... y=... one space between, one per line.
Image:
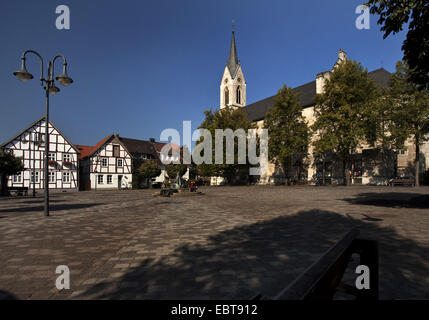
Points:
x=32 y=178
x=100 y=179
x=67 y=157
x=17 y=178
x=51 y=158
x=122 y=162
x=109 y=179
x=52 y=175
x=102 y=162
x=66 y=177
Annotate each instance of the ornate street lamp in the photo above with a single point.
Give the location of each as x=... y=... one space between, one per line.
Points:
x=50 y=88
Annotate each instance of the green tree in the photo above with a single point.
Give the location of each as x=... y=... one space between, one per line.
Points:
x=343 y=117
x=150 y=169
x=288 y=131
x=174 y=170
x=9 y=165
x=226 y=118
x=393 y=16
x=409 y=109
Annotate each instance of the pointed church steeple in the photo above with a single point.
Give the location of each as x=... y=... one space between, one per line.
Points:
x=233 y=62
x=233 y=84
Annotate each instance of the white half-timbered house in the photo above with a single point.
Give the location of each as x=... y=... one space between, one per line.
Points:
x=29 y=145
x=107 y=165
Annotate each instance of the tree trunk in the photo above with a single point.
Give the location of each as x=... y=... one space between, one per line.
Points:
x=3 y=185
x=347 y=172
x=285 y=166
x=417 y=164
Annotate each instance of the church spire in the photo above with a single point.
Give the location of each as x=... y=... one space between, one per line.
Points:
x=233 y=84
x=233 y=62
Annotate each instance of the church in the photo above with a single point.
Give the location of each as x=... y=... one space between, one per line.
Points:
x=369 y=164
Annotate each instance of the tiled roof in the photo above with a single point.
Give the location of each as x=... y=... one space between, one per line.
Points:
x=138 y=146
x=257 y=111
x=84 y=151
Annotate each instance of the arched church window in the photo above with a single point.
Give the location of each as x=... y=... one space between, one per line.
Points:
x=238 y=95
x=226 y=96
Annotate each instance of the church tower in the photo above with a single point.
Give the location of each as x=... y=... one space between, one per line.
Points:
x=233 y=84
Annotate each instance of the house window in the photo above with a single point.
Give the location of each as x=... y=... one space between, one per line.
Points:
x=66 y=157
x=51 y=176
x=17 y=178
x=51 y=156
x=238 y=95
x=109 y=179
x=66 y=177
x=37 y=177
x=104 y=162
x=100 y=179
x=226 y=96
x=40 y=138
x=116 y=151
x=402 y=152
x=120 y=163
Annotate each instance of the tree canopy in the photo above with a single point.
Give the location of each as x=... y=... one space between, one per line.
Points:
x=393 y=16
x=9 y=165
x=343 y=117
x=287 y=129
x=409 y=112
x=149 y=169
x=174 y=170
x=226 y=118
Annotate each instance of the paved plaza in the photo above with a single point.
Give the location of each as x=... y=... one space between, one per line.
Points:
x=229 y=243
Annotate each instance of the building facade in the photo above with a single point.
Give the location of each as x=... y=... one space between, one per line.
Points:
x=370 y=163
x=107 y=165
x=142 y=150
x=29 y=145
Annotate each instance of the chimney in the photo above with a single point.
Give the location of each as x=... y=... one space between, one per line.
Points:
x=152 y=139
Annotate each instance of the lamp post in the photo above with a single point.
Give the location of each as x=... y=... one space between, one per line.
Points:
x=50 y=88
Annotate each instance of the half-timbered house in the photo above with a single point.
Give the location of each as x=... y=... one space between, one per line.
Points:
x=29 y=145
x=107 y=165
x=142 y=150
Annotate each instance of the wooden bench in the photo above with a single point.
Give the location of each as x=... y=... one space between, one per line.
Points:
x=19 y=190
x=403 y=182
x=323 y=278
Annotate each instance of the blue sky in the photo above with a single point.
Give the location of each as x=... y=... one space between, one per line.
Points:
x=144 y=66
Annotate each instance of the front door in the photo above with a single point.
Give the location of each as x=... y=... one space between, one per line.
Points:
x=119 y=182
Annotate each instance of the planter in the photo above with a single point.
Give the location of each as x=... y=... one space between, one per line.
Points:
x=52 y=162
x=67 y=163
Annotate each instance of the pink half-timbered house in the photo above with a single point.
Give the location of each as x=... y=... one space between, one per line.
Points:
x=29 y=145
x=107 y=165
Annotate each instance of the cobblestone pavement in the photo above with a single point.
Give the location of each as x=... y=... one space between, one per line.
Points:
x=230 y=242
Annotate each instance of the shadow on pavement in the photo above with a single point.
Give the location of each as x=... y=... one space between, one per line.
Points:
x=265 y=257
x=391 y=200
x=5 y=295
